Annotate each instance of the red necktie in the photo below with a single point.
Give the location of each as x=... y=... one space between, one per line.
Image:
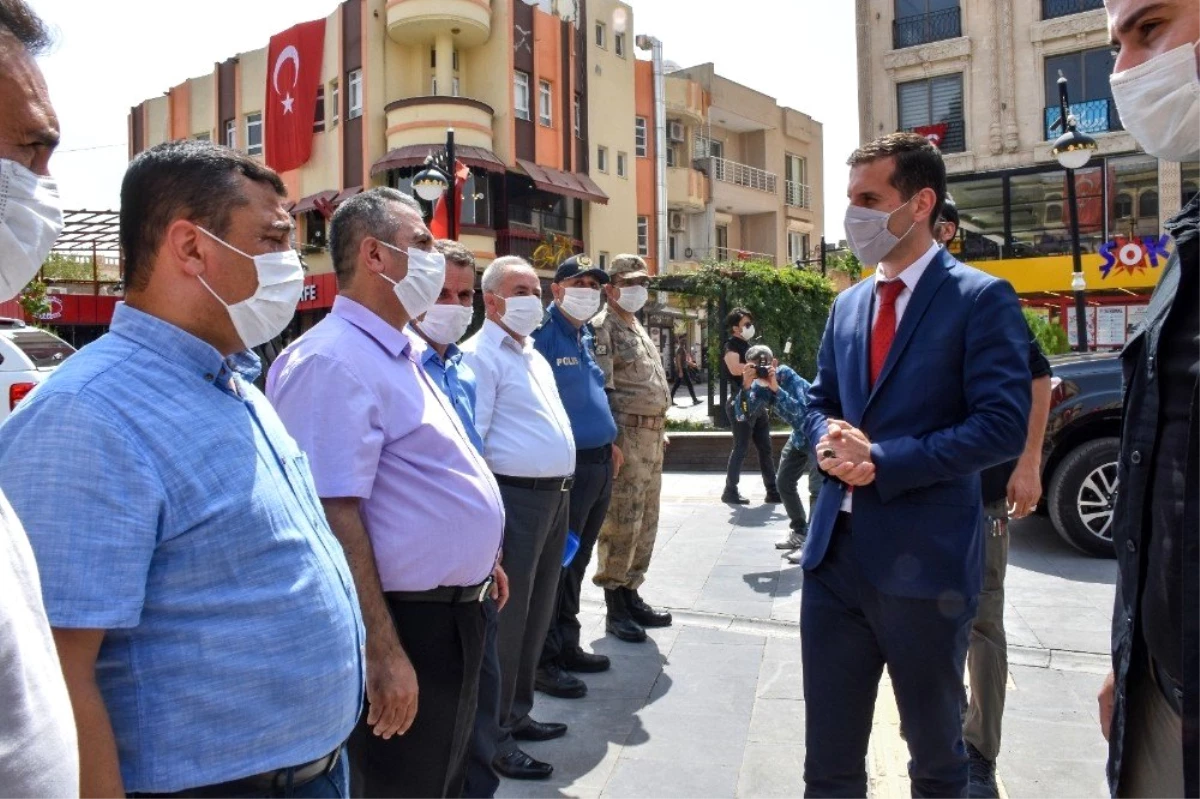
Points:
x=884 y=331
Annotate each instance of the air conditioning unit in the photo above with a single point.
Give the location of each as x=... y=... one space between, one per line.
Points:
x=676 y=221
x=675 y=130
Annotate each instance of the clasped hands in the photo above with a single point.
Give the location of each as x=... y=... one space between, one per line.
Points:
x=844 y=452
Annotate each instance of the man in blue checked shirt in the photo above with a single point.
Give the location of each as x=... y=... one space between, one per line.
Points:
x=785 y=392
x=204 y=615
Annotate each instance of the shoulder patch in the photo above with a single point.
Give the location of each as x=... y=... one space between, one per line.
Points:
x=601 y=349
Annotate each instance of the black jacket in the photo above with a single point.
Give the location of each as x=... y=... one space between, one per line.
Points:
x=1131 y=519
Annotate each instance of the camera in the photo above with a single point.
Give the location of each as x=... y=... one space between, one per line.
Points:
x=762 y=366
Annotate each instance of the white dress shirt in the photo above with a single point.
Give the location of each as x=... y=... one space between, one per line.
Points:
x=910 y=277
x=519 y=415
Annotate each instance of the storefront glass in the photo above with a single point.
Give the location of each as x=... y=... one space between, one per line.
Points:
x=1133 y=196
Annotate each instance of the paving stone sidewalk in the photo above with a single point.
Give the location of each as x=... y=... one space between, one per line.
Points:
x=713 y=706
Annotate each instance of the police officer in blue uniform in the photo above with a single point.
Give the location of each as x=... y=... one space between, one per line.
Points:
x=565 y=340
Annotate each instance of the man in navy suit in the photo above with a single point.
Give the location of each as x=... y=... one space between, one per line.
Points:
x=922 y=381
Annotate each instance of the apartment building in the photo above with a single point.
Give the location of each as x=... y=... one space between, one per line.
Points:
x=744 y=174
x=980 y=78
x=514 y=79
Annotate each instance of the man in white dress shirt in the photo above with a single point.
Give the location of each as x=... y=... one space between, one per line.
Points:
x=528 y=444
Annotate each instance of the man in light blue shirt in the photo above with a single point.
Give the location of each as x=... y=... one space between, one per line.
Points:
x=203 y=612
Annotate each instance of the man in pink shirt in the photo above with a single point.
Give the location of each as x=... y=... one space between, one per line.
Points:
x=410 y=498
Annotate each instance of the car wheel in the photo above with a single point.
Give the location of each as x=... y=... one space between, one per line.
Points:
x=1081 y=496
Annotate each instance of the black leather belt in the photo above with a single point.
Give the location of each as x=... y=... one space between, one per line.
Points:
x=537 y=483
x=594 y=455
x=269 y=782
x=445 y=594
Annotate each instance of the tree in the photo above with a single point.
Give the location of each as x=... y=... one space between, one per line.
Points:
x=786 y=303
x=32 y=300
x=1051 y=337
x=845 y=261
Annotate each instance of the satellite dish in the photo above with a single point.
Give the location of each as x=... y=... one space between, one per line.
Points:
x=670 y=66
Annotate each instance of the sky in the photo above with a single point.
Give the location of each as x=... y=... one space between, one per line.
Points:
x=112 y=55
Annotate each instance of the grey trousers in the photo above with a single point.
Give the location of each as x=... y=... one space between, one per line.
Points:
x=1153 y=761
x=535 y=533
x=987 y=659
x=793 y=462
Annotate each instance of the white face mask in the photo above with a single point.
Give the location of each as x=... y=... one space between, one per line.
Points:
x=30 y=220
x=633 y=298
x=522 y=315
x=1159 y=103
x=419 y=289
x=748 y=332
x=580 y=303
x=446 y=324
x=867 y=230
x=263 y=315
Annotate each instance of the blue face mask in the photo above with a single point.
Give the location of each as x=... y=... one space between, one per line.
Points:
x=868 y=234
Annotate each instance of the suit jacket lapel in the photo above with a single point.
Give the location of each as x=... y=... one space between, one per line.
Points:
x=862 y=342
x=918 y=304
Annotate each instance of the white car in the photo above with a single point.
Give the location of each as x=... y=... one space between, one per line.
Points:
x=28 y=355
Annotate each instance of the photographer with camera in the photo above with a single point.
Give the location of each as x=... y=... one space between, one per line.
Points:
x=739 y=374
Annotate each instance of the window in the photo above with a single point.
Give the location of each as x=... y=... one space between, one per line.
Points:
x=797 y=244
x=604 y=260
x=619 y=44
x=704 y=148
x=521 y=95
x=922 y=21
x=314 y=229
x=205 y=136
x=934 y=108
x=795 y=171
x=578 y=117
x=1061 y=8
x=1087 y=74
x=621 y=159
x=1148 y=204
x=319 y=114
x=1190 y=174
x=545 y=103
x=639 y=137
x=672 y=158
x=672 y=247
x=433 y=59
x=602 y=159
x=601 y=35
x=334 y=100
x=643 y=235
x=1133 y=192
x=1123 y=207
x=254 y=134
x=231 y=133
x=1039 y=224
x=355 y=96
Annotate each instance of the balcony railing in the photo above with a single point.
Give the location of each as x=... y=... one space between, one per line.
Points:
x=1095 y=116
x=751 y=177
x=924 y=28
x=723 y=254
x=798 y=195
x=1061 y=8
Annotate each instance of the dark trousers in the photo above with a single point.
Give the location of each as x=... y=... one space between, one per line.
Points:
x=535 y=533
x=794 y=462
x=588 y=506
x=482 y=780
x=758 y=431
x=848 y=633
x=683 y=377
x=445 y=644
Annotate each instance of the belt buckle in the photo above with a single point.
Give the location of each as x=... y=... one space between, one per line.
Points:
x=563 y=487
x=483 y=589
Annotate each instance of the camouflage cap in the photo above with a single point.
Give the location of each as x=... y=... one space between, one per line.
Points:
x=628 y=266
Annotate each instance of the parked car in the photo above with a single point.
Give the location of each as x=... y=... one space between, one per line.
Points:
x=28 y=355
x=1083 y=438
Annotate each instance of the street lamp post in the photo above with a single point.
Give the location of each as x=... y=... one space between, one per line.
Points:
x=1072 y=150
x=436 y=178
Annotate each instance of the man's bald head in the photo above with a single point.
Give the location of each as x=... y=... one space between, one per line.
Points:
x=29 y=126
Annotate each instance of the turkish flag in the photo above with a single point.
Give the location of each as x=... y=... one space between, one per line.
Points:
x=293 y=77
x=935 y=133
x=439 y=226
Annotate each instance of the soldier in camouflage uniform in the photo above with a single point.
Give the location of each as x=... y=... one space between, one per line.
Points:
x=639 y=394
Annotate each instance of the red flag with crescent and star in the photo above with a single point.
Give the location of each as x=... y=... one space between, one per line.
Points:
x=293 y=77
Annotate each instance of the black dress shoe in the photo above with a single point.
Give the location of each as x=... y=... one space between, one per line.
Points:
x=519 y=766
x=643 y=614
x=552 y=679
x=734 y=498
x=584 y=662
x=773 y=498
x=540 y=731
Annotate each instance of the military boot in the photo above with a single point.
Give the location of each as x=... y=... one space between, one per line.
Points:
x=642 y=613
x=619 y=622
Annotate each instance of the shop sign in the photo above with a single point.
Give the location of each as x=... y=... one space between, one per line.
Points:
x=1132 y=255
x=310 y=293
x=55 y=309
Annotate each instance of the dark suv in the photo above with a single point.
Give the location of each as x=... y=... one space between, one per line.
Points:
x=1083 y=437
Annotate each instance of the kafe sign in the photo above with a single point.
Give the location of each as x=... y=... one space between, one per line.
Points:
x=1132 y=255
x=55 y=309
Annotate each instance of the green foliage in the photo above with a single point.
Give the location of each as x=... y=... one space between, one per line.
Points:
x=845 y=261
x=32 y=300
x=689 y=426
x=60 y=267
x=1052 y=338
x=786 y=303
